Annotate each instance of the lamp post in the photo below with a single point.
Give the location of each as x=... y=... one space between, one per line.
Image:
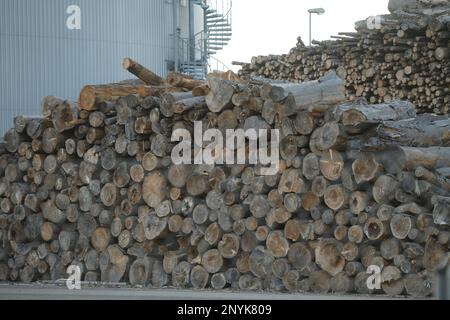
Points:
x=318 y=11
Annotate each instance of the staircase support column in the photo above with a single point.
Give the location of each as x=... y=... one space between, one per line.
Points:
x=205 y=41
x=191 y=31
x=176 y=34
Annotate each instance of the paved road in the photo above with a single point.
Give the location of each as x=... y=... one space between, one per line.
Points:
x=52 y=292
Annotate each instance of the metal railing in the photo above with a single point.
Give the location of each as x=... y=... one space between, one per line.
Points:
x=223 y=7
x=186 y=44
x=196 y=52
x=211 y=63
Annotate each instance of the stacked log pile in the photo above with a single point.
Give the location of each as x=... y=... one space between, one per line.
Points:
x=96 y=187
x=404 y=55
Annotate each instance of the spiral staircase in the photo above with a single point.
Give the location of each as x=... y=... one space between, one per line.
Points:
x=216 y=34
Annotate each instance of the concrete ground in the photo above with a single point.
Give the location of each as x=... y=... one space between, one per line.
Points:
x=59 y=292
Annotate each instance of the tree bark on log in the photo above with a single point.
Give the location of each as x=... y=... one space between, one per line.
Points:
x=183 y=81
x=422 y=131
x=93 y=94
x=142 y=73
x=397 y=159
x=314 y=96
x=353 y=115
x=221 y=94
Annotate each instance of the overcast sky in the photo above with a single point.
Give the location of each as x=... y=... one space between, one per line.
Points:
x=263 y=27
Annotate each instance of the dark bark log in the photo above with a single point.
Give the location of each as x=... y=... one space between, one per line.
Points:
x=65 y=117
x=422 y=131
x=311 y=166
x=417 y=286
x=300 y=256
x=398 y=159
x=169 y=99
x=353 y=115
x=158 y=278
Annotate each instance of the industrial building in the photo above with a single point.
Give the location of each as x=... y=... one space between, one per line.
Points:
x=50 y=47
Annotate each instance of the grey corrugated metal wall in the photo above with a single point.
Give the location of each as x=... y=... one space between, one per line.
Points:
x=40 y=56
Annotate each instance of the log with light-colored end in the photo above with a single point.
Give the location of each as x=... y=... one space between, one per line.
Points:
x=328 y=257
x=154 y=189
x=384 y=189
x=277 y=244
x=331 y=164
x=401 y=226
x=100 y=239
x=199 y=277
x=212 y=261
x=229 y=246
x=142 y=73
x=366 y=169
x=336 y=197
x=358 y=202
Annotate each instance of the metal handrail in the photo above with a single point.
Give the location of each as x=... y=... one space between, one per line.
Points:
x=187 y=45
x=199 y=43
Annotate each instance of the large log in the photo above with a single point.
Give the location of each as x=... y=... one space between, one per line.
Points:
x=422 y=131
x=65 y=117
x=169 y=99
x=221 y=93
x=142 y=73
x=93 y=94
x=356 y=114
x=314 y=96
x=398 y=158
x=183 y=81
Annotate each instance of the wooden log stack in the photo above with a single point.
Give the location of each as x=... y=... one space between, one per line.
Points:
x=356 y=188
x=404 y=55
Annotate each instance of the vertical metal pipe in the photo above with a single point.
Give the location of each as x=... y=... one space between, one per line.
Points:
x=192 y=44
x=176 y=35
x=205 y=54
x=310 y=27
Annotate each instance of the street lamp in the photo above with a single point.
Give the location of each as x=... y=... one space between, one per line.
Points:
x=318 y=11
